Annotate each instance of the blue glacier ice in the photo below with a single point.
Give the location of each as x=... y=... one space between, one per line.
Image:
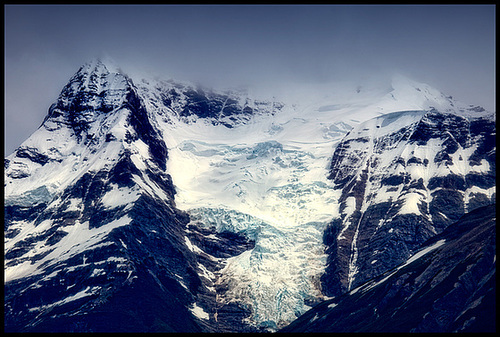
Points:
x=279 y=277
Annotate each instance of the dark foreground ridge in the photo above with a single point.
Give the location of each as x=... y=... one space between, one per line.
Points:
x=450 y=288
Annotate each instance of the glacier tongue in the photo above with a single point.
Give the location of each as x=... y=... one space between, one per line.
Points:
x=279 y=276
x=243 y=189
x=251 y=181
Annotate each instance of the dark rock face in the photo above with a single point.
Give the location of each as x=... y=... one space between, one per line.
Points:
x=33 y=155
x=400 y=186
x=139 y=120
x=212 y=249
x=92 y=91
x=210 y=107
x=226 y=108
x=451 y=287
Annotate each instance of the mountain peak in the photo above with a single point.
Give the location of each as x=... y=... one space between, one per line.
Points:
x=102 y=64
x=424 y=96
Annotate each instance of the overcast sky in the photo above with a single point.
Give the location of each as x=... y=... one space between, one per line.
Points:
x=449 y=47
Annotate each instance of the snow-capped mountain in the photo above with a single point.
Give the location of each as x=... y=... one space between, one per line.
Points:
x=92 y=234
x=153 y=205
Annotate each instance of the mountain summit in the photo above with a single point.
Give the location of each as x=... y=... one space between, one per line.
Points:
x=152 y=205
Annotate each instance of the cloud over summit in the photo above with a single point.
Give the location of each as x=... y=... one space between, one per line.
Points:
x=267 y=46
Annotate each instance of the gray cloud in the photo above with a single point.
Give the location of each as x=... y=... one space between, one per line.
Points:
x=449 y=47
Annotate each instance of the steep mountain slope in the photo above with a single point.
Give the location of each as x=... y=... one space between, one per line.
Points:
x=93 y=241
x=402 y=178
x=448 y=285
x=177 y=208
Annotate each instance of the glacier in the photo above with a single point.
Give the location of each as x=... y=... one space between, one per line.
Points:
x=267 y=179
x=261 y=172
